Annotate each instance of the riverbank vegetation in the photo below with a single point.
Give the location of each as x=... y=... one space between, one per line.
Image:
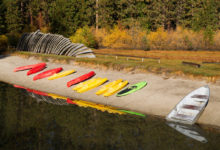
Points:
x=162 y=65
x=131 y=24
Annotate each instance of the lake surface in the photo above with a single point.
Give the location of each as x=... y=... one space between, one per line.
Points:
x=30 y=121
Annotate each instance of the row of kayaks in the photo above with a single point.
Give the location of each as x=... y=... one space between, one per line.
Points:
x=84 y=82
x=187 y=111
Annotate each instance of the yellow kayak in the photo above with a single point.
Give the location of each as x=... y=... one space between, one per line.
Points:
x=112 y=90
x=104 y=88
x=97 y=106
x=54 y=96
x=92 y=85
x=61 y=74
x=79 y=86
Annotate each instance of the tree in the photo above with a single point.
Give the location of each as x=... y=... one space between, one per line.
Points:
x=2 y=18
x=13 y=16
x=206 y=17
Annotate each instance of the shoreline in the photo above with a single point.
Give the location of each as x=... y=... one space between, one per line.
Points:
x=158 y=98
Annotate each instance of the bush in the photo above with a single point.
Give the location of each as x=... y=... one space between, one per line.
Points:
x=117 y=38
x=13 y=39
x=3 y=43
x=84 y=35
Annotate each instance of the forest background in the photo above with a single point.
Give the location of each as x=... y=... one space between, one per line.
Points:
x=118 y=24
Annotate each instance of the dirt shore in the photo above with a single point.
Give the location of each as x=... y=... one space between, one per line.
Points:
x=157 y=98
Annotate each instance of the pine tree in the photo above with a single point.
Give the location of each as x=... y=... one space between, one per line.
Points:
x=13 y=17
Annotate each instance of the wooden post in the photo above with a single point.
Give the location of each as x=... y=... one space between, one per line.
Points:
x=159 y=61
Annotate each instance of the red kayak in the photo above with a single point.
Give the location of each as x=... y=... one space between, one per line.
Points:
x=18 y=86
x=70 y=101
x=47 y=73
x=37 y=92
x=27 y=67
x=81 y=78
x=36 y=69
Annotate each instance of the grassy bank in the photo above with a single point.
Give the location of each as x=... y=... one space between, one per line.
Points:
x=165 y=66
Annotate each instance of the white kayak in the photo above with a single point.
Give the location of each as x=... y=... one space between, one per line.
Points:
x=189 y=109
x=193 y=132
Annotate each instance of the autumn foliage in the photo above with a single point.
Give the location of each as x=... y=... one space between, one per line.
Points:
x=138 y=38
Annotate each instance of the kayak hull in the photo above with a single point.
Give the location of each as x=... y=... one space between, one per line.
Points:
x=96 y=83
x=132 y=89
x=105 y=88
x=47 y=73
x=28 y=67
x=36 y=69
x=81 y=78
x=61 y=74
x=116 y=88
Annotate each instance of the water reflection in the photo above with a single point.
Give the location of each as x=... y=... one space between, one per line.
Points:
x=192 y=131
x=28 y=124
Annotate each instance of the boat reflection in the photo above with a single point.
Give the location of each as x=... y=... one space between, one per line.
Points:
x=192 y=131
x=61 y=100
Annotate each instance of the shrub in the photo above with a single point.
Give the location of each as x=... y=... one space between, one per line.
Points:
x=117 y=38
x=13 y=39
x=3 y=43
x=84 y=35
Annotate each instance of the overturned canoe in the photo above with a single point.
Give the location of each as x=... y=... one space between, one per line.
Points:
x=189 y=109
x=28 y=67
x=47 y=73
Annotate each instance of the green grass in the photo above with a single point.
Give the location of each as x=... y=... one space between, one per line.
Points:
x=150 y=65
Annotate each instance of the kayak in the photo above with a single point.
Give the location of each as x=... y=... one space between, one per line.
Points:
x=131 y=112
x=47 y=73
x=37 y=92
x=88 y=84
x=100 y=107
x=188 y=110
x=28 y=67
x=112 y=90
x=92 y=85
x=61 y=74
x=70 y=101
x=81 y=78
x=55 y=96
x=79 y=86
x=36 y=69
x=104 y=88
x=18 y=86
x=132 y=88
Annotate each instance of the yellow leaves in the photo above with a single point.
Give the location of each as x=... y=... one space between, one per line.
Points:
x=117 y=38
x=84 y=35
x=158 y=39
x=138 y=38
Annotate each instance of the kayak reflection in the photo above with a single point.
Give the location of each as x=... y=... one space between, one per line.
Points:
x=62 y=100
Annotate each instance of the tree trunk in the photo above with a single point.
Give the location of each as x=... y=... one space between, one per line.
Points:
x=97 y=15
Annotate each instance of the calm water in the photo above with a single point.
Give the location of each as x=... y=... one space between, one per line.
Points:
x=34 y=122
